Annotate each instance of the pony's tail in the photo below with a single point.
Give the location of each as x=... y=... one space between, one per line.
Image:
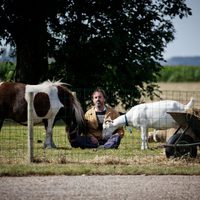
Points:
x=79 y=114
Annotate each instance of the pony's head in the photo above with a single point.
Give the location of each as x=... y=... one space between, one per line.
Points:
x=72 y=112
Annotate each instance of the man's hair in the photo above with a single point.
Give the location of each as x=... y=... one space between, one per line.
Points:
x=98 y=89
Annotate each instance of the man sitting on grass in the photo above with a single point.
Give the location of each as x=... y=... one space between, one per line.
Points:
x=95 y=117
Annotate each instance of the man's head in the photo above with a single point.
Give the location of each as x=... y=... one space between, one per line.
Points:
x=99 y=99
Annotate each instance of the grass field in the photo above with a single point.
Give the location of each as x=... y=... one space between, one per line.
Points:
x=13 y=142
x=128 y=159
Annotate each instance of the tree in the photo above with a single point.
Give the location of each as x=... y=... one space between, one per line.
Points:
x=24 y=24
x=117 y=45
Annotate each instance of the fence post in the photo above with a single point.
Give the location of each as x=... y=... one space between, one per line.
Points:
x=30 y=126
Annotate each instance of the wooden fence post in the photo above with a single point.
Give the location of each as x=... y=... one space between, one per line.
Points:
x=30 y=126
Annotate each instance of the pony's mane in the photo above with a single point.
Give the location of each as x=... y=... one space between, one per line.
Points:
x=54 y=83
x=48 y=83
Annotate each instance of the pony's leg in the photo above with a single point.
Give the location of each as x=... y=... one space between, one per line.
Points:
x=49 y=143
x=144 y=137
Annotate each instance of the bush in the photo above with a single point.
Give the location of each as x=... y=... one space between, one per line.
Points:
x=7 y=70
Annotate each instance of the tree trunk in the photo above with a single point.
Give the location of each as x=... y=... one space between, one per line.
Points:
x=31 y=51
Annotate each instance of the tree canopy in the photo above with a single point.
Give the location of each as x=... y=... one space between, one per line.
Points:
x=117 y=45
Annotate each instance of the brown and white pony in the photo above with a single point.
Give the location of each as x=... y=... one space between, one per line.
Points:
x=51 y=101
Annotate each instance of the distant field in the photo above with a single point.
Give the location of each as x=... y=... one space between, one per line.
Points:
x=180 y=74
x=183 y=86
x=181 y=91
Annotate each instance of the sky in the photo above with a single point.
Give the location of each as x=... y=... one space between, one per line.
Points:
x=187 y=36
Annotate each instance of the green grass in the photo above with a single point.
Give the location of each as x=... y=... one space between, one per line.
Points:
x=98 y=169
x=180 y=74
x=64 y=160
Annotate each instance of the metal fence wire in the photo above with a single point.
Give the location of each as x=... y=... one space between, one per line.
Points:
x=14 y=143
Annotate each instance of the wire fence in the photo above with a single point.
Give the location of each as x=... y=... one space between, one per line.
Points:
x=14 y=143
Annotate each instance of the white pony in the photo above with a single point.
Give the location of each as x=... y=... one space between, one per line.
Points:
x=147 y=115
